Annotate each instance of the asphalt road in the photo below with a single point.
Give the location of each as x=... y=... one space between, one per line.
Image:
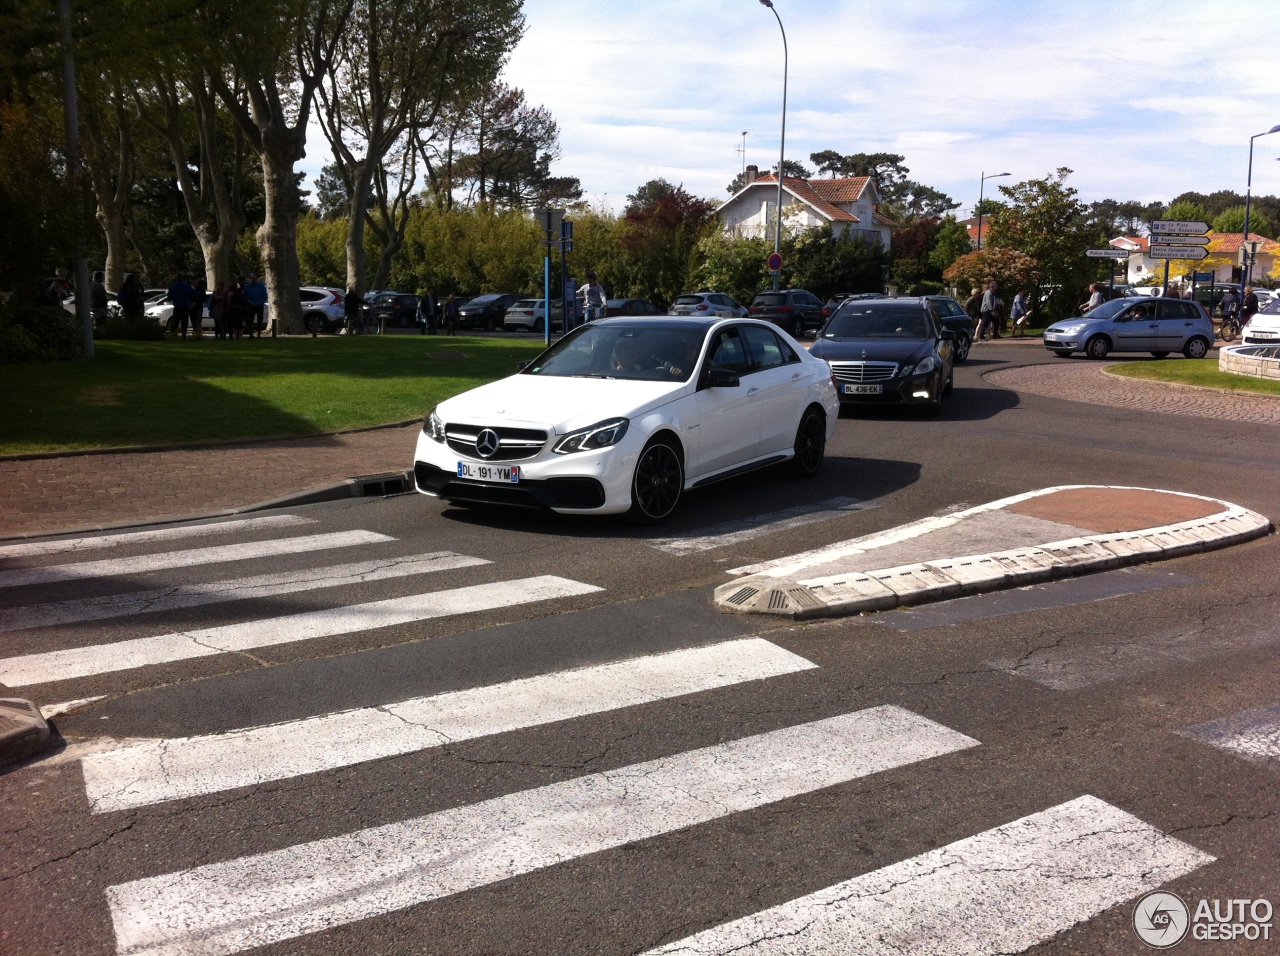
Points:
x=883 y=755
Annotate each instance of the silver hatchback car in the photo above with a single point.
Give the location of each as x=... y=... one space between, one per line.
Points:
x=1158 y=326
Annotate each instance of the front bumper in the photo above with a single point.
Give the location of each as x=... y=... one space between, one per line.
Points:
x=900 y=391
x=594 y=482
x=1061 y=343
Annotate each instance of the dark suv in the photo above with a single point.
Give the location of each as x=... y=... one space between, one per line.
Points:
x=486 y=311
x=399 y=310
x=793 y=310
x=955 y=318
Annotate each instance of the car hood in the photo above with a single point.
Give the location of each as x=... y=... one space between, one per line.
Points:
x=556 y=403
x=871 y=350
x=1269 y=322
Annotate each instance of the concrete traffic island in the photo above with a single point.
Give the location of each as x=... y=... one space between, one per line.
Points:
x=1025 y=539
x=1258 y=361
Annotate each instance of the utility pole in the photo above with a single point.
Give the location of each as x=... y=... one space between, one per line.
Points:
x=75 y=169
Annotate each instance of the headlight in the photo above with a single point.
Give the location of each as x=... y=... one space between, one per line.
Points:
x=927 y=365
x=600 y=435
x=434 y=427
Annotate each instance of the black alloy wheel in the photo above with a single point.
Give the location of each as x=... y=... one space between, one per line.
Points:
x=658 y=483
x=491 y=324
x=314 y=323
x=1097 y=347
x=811 y=444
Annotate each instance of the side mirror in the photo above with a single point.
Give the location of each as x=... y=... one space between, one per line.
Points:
x=722 y=378
x=948 y=335
x=521 y=366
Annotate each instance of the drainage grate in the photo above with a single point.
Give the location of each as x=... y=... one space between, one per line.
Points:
x=380 y=486
x=743 y=595
x=777 y=600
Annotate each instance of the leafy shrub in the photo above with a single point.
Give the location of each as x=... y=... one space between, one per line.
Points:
x=140 y=330
x=37 y=332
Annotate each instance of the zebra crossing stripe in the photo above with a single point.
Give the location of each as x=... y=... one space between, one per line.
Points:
x=159 y=770
x=252 y=901
x=121 y=567
x=30 y=549
x=744 y=529
x=1252 y=734
x=1001 y=891
x=308 y=625
x=237 y=589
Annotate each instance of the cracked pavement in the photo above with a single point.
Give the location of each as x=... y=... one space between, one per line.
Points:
x=1066 y=701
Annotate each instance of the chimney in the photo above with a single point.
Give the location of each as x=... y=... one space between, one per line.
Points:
x=750 y=175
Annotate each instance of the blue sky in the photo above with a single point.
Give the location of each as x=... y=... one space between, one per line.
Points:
x=1144 y=100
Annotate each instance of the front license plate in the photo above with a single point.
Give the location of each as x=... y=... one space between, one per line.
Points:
x=509 y=474
x=864 y=389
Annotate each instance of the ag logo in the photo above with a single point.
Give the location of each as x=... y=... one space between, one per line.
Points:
x=1161 y=919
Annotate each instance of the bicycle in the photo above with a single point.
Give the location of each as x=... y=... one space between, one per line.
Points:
x=1229 y=328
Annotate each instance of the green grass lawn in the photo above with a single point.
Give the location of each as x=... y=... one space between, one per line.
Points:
x=1203 y=372
x=153 y=393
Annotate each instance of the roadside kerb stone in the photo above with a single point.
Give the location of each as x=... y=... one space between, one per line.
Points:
x=23 y=731
x=768 y=592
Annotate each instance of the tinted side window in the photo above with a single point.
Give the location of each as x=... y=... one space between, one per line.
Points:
x=763 y=347
x=309 y=296
x=728 y=351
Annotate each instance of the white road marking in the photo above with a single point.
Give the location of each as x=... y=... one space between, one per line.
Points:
x=1001 y=891
x=1252 y=734
x=53 y=710
x=29 y=549
x=744 y=529
x=237 y=589
x=143 y=564
x=256 y=900
x=154 y=771
x=306 y=626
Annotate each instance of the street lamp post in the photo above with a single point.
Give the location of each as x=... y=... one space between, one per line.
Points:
x=782 y=148
x=1247 y=267
x=981 y=184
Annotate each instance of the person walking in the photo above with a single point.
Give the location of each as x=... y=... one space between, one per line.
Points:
x=180 y=293
x=989 y=312
x=255 y=297
x=98 y=300
x=351 y=308
x=130 y=298
x=1249 y=307
x=973 y=309
x=427 y=312
x=593 y=297
x=1018 y=311
x=1095 y=299
x=1230 y=303
x=450 y=314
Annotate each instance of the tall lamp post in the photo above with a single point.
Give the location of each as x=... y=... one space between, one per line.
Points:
x=1247 y=268
x=981 y=184
x=782 y=149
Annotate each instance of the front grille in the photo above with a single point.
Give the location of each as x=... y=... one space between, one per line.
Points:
x=514 y=444
x=858 y=372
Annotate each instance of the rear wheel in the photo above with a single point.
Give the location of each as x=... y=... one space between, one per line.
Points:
x=1097 y=347
x=657 y=484
x=1197 y=348
x=491 y=324
x=314 y=323
x=811 y=444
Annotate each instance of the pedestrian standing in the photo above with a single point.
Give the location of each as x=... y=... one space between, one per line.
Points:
x=218 y=306
x=199 y=293
x=180 y=293
x=988 y=310
x=1230 y=303
x=98 y=300
x=427 y=312
x=255 y=296
x=351 y=306
x=450 y=314
x=593 y=297
x=130 y=298
x=237 y=307
x=1249 y=307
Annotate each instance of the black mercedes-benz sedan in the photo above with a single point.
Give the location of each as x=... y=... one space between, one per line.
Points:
x=888 y=351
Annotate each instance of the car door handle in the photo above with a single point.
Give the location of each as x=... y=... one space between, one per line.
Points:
x=1153 y=325
x=752 y=390
x=796 y=377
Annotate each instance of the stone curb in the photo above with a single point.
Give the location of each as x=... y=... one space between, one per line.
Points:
x=338 y=491
x=938 y=580
x=23 y=731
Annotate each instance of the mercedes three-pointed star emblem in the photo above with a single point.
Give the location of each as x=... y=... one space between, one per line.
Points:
x=487 y=443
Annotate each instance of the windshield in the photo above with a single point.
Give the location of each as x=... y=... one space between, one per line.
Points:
x=1272 y=307
x=1109 y=310
x=484 y=299
x=639 y=352
x=856 y=320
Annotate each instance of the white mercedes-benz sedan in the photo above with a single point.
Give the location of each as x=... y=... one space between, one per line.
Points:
x=626 y=414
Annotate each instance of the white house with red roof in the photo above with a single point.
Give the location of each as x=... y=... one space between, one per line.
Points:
x=850 y=205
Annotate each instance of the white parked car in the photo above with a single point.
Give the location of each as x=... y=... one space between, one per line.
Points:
x=1264 y=327
x=626 y=414
x=527 y=315
x=707 y=303
x=323 y=309
x=162 y=311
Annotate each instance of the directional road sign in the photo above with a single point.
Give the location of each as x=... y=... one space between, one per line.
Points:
x=1178 y=252
x=1107 y=254
x=1167 y=227
x=1183 y=240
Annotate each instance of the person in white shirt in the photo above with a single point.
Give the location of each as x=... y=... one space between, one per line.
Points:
x=593 y=297
x=1096 y=298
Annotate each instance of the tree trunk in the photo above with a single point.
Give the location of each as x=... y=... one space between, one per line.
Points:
x=111 y=218
x=361 y=186
x=277 y=238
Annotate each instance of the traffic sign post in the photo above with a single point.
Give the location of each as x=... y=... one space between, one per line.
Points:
x=1112 y=254
x=1177 y=239
x=775 y=263
x=549 y=220
x=1174 y=227
x=1178 y=252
